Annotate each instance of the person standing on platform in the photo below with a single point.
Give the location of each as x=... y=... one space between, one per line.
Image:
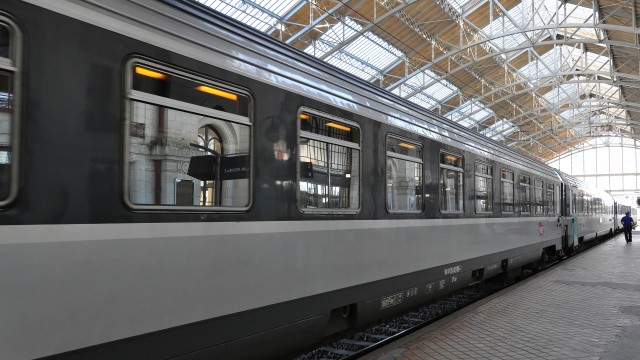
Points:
x=627 y=225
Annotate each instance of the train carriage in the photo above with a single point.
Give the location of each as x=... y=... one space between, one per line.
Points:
x=175 y=185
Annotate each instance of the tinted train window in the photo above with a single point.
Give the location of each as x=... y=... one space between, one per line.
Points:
x=525 y=194
x=329 y=163
x=539 y=200
x=484 y=187
x=188 y=141
x=506 y=182
x=9 y=73
x=551 y=199
x=451 y=183
x=404 y=175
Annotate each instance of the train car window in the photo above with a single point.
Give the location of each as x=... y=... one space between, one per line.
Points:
x=451 y=183
x=525 y=194
x=5 y=41
x=484 y=188
x=187 y=140
x=551 y=199
x=507 y=196
x=10 y=39
x=329 y=163
x=539 y=199
x=404 y=175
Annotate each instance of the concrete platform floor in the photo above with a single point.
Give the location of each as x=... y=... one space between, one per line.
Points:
x=586 y=307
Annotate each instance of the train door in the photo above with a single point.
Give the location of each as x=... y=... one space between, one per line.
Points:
x=568 y=211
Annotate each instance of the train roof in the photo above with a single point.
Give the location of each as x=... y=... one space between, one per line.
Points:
x=197 y=31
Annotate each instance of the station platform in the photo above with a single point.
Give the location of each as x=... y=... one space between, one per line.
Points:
x=586 y=307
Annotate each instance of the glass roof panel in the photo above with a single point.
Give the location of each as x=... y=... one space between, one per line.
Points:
x=424 y=101
x=572 y=113
x=458 y=4
x=364 y=57
x=470 y=114
x=259 y=14
x=500 y=130
x=441 y=90
x=504 y=25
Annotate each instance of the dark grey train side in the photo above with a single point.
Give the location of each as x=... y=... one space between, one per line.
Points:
x=174 y=185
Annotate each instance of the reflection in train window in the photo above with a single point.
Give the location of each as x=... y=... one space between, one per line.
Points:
x=506 y=181
x=539 y=200
x=9 y=74
x=188 y=141
x=5 y=42
x=484 y=187
x=451 y=183
x=404 y=175
x=525 y=194
x=550 y=199
x=329 y=163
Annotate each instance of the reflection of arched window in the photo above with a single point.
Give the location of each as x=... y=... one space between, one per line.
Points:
x=210 y=144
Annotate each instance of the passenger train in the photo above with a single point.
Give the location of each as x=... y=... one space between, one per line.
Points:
x=174 y=185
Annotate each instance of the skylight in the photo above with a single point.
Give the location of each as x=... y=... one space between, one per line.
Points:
x=431 y=89
x=459 y=4
x=470 y=114
x=259 y=14
x=500 y=130
x=364 y=57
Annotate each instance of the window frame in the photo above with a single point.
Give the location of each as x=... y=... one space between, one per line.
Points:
x=327 y=139
x=13 y=64
x=475 y=188
x=132 y=96
x=418 y=160
x=454 y=168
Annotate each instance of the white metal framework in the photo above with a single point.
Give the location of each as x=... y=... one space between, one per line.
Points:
x=541 y=76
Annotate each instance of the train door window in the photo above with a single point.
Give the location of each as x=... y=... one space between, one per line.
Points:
x=525 y=194
x=186 y=136
x=551 y=199
x=451 y=183
x=404 y=175
x=506 y=182
x=538 y=194
x=329 y=163
x=10 y=39
x=484 y=188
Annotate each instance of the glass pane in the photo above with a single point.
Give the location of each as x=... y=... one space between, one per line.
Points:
x=329 y=127
x=329 y=176
x=484 y=194
x=507 y=196
x=451 y=160
x=160 y=83
x=616 y=160
x=550 y=201
x=539 y=200
x=525 y=198
x=602 y=160
x=630 y=182
x=5 y=42
x=404 y=185
x=6 y=109
x=577 y=164
x=615 y=183
x=590 y=164
x=451 y=194
x=170 y=148
x=404 y=147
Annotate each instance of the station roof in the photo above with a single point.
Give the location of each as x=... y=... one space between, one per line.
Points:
x=541 y=76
